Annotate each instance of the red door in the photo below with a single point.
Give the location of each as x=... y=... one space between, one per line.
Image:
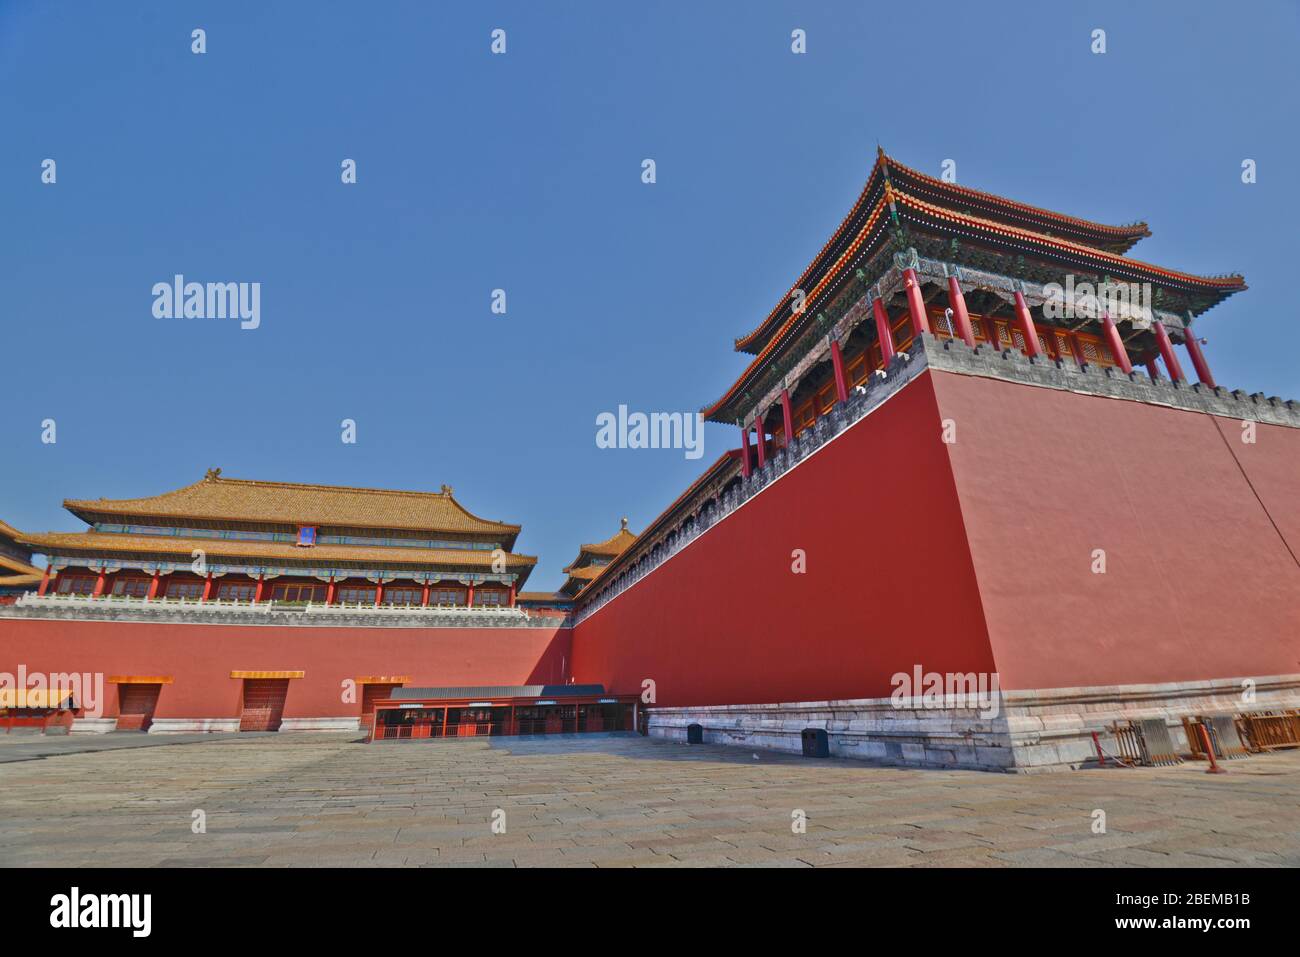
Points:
x=135 y=706
x=263 y=704
x=369 y=695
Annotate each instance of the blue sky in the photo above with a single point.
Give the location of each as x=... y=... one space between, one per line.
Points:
x=522 y=172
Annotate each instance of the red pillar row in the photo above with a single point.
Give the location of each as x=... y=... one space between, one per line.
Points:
x=1026 y=323
x=744 y=451
x=883 y=332
x=1198 y=358
x=837 y=363
x=915 y=304
x=961 y=318
x=787 y=416
x=1167 y=353
x=1116 y=344
x=760 y=437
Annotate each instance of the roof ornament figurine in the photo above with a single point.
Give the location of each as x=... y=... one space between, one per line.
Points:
x=212 y=474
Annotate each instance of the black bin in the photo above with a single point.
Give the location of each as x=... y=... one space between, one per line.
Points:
x=816 y=743
x=695 y=734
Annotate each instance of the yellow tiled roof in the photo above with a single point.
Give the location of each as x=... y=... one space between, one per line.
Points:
x=614 y=545
x=21 y=567
x=108 y=544
x=13 y=580
x=217 y=498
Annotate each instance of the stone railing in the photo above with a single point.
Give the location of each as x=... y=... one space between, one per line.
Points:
x=122 y=608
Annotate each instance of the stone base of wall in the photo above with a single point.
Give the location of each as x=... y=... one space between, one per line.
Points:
x=320 y=724
x=192 y=725
x=94 y=725
x=1044 y=730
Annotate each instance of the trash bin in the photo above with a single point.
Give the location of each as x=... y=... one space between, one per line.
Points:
x=816 y=743
x=695 y=734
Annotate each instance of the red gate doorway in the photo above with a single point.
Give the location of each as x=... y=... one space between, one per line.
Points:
x=136 y=704
x=263 y=707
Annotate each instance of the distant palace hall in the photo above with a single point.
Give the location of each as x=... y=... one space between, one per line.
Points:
x=239 y=540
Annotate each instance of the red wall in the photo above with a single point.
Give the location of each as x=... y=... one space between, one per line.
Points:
x=889 y=582
x=1199 y=583
x=201 y=657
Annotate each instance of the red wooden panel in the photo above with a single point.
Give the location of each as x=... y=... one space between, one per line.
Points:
x=263 y=703
x=136 y=706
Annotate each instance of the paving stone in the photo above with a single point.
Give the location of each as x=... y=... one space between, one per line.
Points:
x=307 y=800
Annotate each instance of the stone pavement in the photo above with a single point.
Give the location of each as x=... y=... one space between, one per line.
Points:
x=613 y=800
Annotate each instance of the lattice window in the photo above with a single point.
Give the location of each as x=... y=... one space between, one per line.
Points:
x=132 y=587
x=185 y=589
x=295 y=592
x=237 y=591
x=403 y=595
x=76 y=585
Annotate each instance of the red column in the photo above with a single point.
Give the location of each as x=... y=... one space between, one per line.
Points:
x=883 y=332
x=915 y=304
x=1026 y=323
x=329 y=591
x=153 y=587
x=837 y=363
x=1153 y=370
x=744 y=451
x=379 y=594
x=207 y=588
x=424 y=596
x=961 y=318
x=99 y=585
x=469 y=597
x=261 y=585
x=787 y=416
x=760 y=435
x=1076 y=348
x=512 y=594
x=45 y=582
x=1167 y=352
x=1198 y=358
x=1117 y=349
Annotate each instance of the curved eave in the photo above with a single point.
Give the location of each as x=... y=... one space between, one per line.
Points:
x=1115 y=239
x=102 y=545
x=924 y=215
